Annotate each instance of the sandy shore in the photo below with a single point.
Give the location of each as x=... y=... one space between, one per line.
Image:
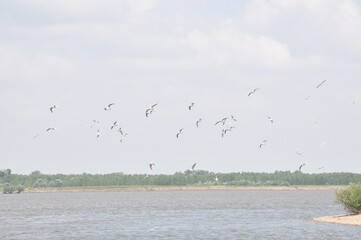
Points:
x=350 y=219
x=174 y=188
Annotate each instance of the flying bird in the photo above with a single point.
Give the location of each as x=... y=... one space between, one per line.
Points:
x=179 y=132
x=263 y=143
x=270 y=119
x=299 y=151
x=95 y=121
x=319 y=85
x=224 y=131
x=51 y=129
x=98 y=133
x=254 y=91
x=37 y=135
x=109 y=107
x=192 y=168
x=52 y=108
x=216 y=179
x=233 y=118
x=114 y=125
x=198 y=121
x=151 y=164
x=223 y=121
x=150 y=110
x=303 y=164
x=190 y=106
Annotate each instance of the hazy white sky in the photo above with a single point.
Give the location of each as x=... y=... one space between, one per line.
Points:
x=82 y=55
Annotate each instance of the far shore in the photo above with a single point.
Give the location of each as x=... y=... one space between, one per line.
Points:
x=349 y=219
x=174 y=188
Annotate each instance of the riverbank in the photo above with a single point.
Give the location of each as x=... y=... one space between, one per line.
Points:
x=350 y=219
x=174 y=188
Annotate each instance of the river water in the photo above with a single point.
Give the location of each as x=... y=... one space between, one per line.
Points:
x=214 y=214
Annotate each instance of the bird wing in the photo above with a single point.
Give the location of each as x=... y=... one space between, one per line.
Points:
x=319 y=85
x=299 y=169
x=111 y=104
x=193 y=166
x=154 y=105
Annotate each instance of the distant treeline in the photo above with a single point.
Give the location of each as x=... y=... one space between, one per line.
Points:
x=200 y=177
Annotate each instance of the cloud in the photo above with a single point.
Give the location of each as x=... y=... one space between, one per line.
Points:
x=83 y=8
x=328 y=23
x=16 y=65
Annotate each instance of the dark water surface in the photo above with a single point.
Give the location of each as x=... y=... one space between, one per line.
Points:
x=215 y=214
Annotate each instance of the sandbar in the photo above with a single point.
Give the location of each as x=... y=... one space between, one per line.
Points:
x=349 y=219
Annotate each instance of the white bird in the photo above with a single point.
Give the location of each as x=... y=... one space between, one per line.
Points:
x=95 y=121
x=151 y=164
x=303 y=164
x=51 y=129
x=249 y=94
x=299 y=151
x=216 y=179
x=52 y=108
x=150 y=110
x=223 y=121
x=319 y=85
x=98 y=133
x=120 y=130
x=198 y=121
x=224 y=131
x=37 y=135
x=192 y=168
x=114 y=125
x=109 y=107
x=233 y=118
x=190 y=106
x=179 y=132
x=270 y=119
x=263 y=143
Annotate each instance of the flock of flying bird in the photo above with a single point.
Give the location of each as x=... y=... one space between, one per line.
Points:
x=149 y=111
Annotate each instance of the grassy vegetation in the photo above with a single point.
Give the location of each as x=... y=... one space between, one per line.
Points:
x=350 y=197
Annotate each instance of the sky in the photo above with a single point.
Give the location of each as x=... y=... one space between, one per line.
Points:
x=83 y=55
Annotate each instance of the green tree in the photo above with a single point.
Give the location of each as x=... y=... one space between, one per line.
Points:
x=350 y=197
